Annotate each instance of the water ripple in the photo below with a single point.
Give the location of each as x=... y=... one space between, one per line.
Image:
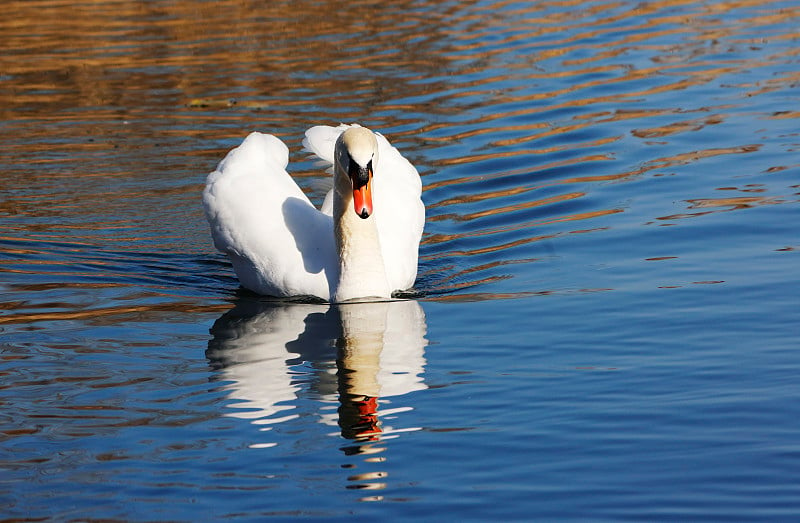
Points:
x=518 y=114
x=639 y=159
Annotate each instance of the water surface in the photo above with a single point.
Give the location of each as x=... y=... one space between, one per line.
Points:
x=607 y=317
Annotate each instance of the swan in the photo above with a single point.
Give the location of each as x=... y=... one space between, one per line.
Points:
x=362 y=243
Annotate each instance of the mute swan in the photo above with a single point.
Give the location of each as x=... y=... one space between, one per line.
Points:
x=364 y=241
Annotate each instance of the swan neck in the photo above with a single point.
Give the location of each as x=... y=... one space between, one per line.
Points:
x=362 y=271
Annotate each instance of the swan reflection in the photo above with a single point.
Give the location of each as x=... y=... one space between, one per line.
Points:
x=276 y=357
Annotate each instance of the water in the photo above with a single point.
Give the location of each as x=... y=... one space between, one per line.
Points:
x=608 y=312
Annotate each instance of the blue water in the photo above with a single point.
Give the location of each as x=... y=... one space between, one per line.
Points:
x=607 y=315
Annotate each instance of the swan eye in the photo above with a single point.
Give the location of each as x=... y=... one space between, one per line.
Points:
x=360 y=176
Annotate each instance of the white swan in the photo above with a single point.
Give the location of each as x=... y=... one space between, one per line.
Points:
x=364 y=241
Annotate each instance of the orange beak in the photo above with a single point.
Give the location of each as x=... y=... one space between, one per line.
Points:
x=362 y=200
x=361 y=178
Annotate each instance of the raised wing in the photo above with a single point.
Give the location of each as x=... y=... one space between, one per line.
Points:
x=401 y=218
x=278 y=243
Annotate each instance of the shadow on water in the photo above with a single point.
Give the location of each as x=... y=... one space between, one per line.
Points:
x=284 y=362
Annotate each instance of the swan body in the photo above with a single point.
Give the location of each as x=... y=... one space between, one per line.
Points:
x=362 y=243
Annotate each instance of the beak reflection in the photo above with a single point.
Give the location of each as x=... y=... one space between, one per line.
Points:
x=283 y=365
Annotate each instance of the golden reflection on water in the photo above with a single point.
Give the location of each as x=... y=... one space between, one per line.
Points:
x=107 y=315
x=502 y=106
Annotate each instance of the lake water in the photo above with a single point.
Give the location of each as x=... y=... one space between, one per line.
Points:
x=608 y=315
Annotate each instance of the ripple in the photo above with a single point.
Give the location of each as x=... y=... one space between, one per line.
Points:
x=545 y=97
x=590 y=151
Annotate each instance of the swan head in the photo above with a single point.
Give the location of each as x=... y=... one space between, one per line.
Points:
x=355 y=155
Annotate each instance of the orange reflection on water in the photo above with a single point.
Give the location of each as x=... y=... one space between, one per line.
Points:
x=113 y=315
x=538 y=95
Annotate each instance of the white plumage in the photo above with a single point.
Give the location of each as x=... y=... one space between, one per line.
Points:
x=281 y=245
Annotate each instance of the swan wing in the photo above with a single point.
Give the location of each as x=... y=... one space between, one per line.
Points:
x=399 y=210
x=400 y=214
x=278 y=243
x=321 y=140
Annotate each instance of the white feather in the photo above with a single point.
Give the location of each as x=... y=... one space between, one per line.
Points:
x=279 y=244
